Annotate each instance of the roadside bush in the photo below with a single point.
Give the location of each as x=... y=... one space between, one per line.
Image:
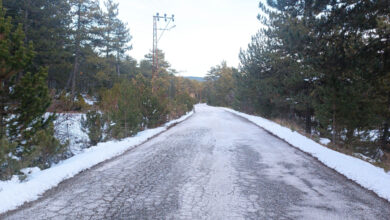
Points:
x=122 y=106
x=64 y=103
x=185 y=100
x=93 y=124
x=45 y=150
x=8 y=164
x=154 y=107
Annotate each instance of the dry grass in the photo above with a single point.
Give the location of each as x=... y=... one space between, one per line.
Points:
x=290 y=124
x=385 y=163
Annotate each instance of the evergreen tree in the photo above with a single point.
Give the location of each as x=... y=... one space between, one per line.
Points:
x=115 y=34
x=86 y=16
x=221 y=85
x=122 y=105
x=110 y=20
x=93 y=124
x=121 y=41
x=24 y=95
x=323 y=62
x=153 y=108
x=15 y=56
x=32 y=96
x=46 y=23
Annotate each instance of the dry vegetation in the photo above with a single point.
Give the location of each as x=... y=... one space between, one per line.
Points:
x=345 y=149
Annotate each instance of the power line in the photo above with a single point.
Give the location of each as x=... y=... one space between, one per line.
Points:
x=156 y=38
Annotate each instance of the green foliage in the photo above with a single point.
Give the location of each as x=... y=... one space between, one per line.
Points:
x=93 y=124
x=220 y=85
x=65 y=102
x=153 y=108
x=48 y=32
x=8 y=165
x=322 y=64
x=25 y=131
x=186 y=101
x=14 y=57
x=131 y=105
x=45 y=148
x=33 y=97
x=78 y=48
x=122 y=106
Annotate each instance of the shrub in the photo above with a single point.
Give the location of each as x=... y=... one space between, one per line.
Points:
x=8 y=164
x=45 y=150
x=93 y=123
x=122 y=105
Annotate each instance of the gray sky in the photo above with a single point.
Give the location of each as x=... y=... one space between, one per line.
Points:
x=207 y=31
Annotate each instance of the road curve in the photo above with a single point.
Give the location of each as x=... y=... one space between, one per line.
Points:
x=215 y=165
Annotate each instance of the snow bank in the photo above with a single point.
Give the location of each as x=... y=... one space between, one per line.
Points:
x=363 y=173
x=14 y=193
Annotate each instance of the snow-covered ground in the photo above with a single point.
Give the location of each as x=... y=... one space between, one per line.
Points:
x=14 y=193
x=67 y=127
x=362 y=172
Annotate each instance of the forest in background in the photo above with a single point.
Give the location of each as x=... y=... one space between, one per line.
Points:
x=321 y=67
x=53 y=54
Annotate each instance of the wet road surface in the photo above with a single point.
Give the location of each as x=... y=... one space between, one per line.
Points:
x=214 y=165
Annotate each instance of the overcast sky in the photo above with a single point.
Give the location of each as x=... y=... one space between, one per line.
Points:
x=206 y=33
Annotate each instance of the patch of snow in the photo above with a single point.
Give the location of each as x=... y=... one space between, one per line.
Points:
x=88 y=100
x=10 y=155
x=362 y=172
x=351 y=6
x=30 y=171
x=359 y=155
x=374 y=135
x=324 y=141
x=14 y=193
x=67 y=127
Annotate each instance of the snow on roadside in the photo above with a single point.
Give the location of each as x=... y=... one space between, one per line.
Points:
x=14 y=193
x=363 y=173
x=324 y=141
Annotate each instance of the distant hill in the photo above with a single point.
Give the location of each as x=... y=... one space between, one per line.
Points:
x=197 y=78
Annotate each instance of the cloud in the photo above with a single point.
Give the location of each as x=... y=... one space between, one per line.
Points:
x=207 y=32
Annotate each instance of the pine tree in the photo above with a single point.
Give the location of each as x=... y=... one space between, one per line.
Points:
x=24 y=95
x=121 y=41
x=116 y=36
x=110 y=20
x=46 y=23
x=86 y=16
x=221 y=81
x=15 y=56
x=121 y=103
x=32 y=95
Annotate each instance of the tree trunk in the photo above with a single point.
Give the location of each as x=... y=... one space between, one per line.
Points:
x=2 y=124
x=25 y=25
x=334 y=124
x=386 y=133
x=385 y=136
x=308 y=112
x=308 y=120
x=350 y=135
x=77 y=54
x=75 y=71
x=117 y=65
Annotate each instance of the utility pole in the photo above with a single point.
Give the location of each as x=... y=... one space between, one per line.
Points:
x=156 y=38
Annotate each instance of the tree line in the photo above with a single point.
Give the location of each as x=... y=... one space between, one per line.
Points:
x=324 y=65
x=52 y=54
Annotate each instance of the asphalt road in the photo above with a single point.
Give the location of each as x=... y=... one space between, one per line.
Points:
x=214 y=165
